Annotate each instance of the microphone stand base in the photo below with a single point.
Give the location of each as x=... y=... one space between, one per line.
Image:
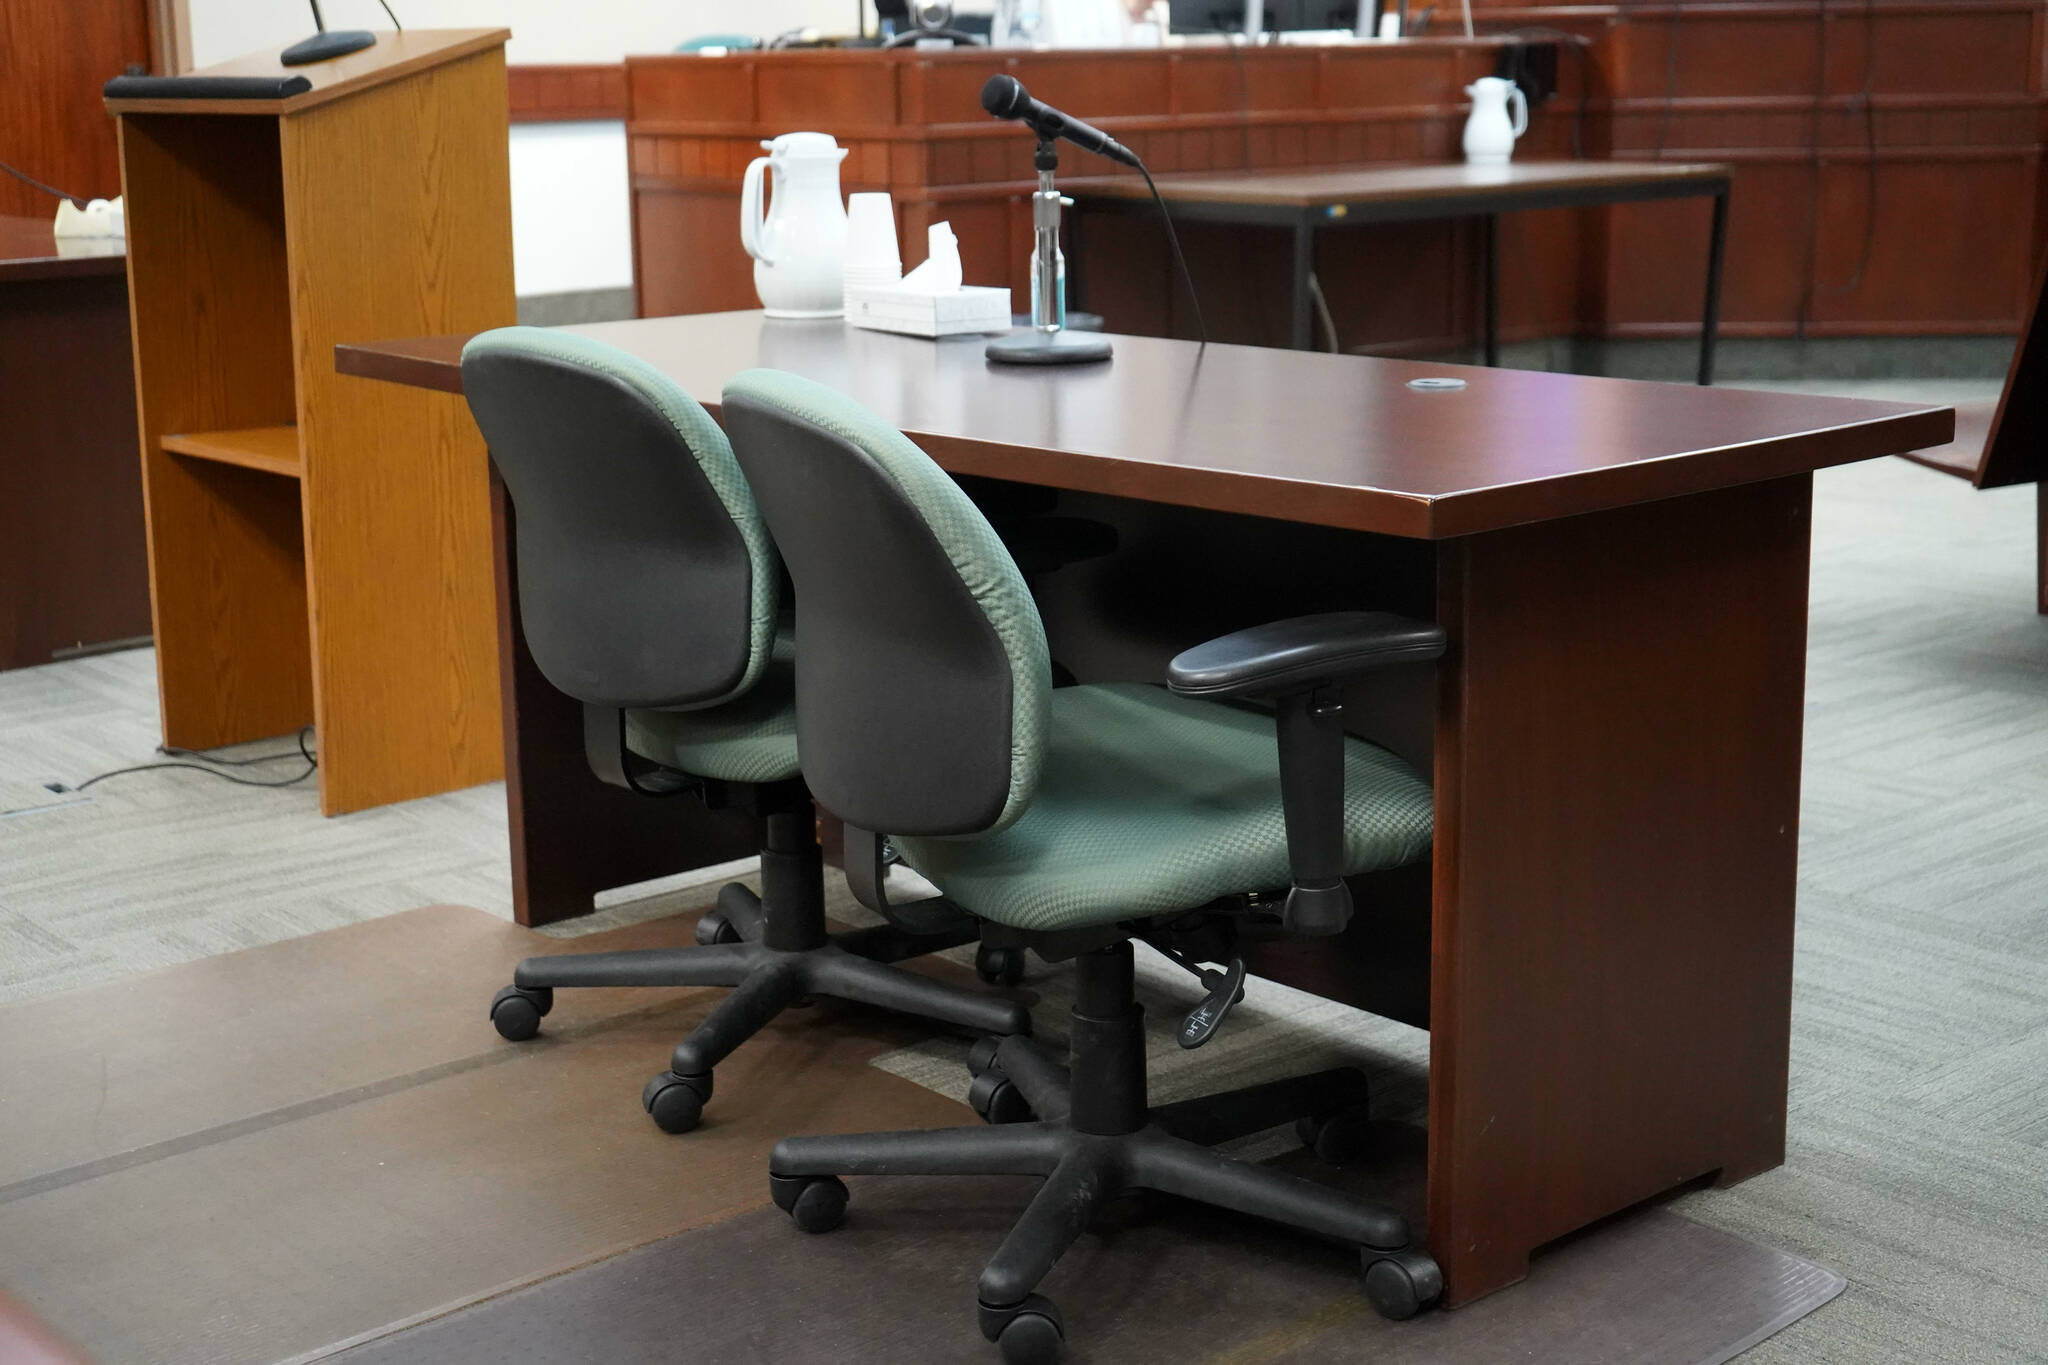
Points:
x=1035 y=347
x=323 y=47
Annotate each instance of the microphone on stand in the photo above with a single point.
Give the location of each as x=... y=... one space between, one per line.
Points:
x=324 y=46
x=1006 y=97
x=1048 y=343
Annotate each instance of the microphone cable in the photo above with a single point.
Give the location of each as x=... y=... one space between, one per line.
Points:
x=25 y=178
x=1181 y=262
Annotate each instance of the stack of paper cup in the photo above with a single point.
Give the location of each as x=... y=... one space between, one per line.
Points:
x=872 y=256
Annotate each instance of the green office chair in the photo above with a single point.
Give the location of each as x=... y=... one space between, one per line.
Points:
x=649 y=591
x=1073 y=819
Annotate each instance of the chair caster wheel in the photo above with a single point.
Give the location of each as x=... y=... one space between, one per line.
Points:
x=713 y=928
x=999 y=966
x=997 y=1099
x=815 y=1203
x=1340 y=1139
x=1401 y=1283
x=516 y=1011
x=676 y=1103
x=1029 y=1334
x=982 y=1055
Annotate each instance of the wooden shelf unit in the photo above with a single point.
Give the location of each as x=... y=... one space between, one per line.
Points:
x=355 y=592
x=273 y=450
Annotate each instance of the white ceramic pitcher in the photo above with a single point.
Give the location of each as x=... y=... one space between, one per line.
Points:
x=799 y=248
x=1489 y=135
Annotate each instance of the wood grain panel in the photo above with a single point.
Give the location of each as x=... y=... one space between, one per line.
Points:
x=274 y=450
x=1617 y=786
x=53 y=60
x=824 y=89
x=399 y=217
x=690 y=89
x=1093 y=85
x=227 y=568
x=689 y=256
x=566 y=93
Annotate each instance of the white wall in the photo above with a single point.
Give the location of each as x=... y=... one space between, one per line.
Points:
x=570 y=213
x=542 y=30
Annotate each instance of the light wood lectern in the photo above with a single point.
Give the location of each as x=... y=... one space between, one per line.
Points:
x=320 y=546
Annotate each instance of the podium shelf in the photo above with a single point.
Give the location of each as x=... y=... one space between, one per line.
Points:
x=274 y=450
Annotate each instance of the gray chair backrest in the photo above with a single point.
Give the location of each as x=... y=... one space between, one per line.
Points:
x=646 y=575
x=922 y=679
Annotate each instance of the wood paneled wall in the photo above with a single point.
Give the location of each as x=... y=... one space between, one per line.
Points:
x=54 y=57
x=1887 y=158
x=567 y=94
x=1887 y=155
x=914 y=126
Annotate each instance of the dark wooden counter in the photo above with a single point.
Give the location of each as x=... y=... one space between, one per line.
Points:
x=72 y=568
x=1307 y=202
x=1338 y=441
x=29 y=251
x=1435 y=185
x=1602 y=945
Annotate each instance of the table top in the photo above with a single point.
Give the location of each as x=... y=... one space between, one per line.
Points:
x=1435 y=182
x=1301 y=436
x=29 y=251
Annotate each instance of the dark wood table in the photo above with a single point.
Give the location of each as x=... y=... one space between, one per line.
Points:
x=73 y=571
x=1602 y=946
x=1309 y=200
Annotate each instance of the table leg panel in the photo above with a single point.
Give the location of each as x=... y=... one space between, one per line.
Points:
x=1710 y=317
x=1617 y=766
x=572 y=835
x=1301 y=309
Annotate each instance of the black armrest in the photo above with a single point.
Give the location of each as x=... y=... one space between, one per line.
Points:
x=1299 y=663
x=1303 y=651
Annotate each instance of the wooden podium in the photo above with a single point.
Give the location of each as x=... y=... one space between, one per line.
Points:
x=320 y=547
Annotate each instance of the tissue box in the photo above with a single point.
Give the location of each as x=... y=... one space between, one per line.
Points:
x=974 y=308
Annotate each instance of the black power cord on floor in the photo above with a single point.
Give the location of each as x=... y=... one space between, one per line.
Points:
x=202 y=766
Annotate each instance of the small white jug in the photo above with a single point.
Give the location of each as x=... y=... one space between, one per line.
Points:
x=1489 y=136
x=799 y=248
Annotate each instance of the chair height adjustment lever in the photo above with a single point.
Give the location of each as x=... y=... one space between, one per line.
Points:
x=1226 y=988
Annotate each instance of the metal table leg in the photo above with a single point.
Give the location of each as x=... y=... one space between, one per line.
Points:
x=1710 y=323
x=1301 y=333
x=1489 y=253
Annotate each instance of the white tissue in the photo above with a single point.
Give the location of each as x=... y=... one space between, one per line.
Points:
x=940 y=273
x=100 y=218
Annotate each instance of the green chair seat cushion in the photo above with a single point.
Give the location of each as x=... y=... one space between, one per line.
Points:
x=751 y=739
x=1150 y=804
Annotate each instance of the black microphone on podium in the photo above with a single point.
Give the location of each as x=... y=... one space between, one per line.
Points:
x=326 y=46
x=1047 y=344
x=1006 y=97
